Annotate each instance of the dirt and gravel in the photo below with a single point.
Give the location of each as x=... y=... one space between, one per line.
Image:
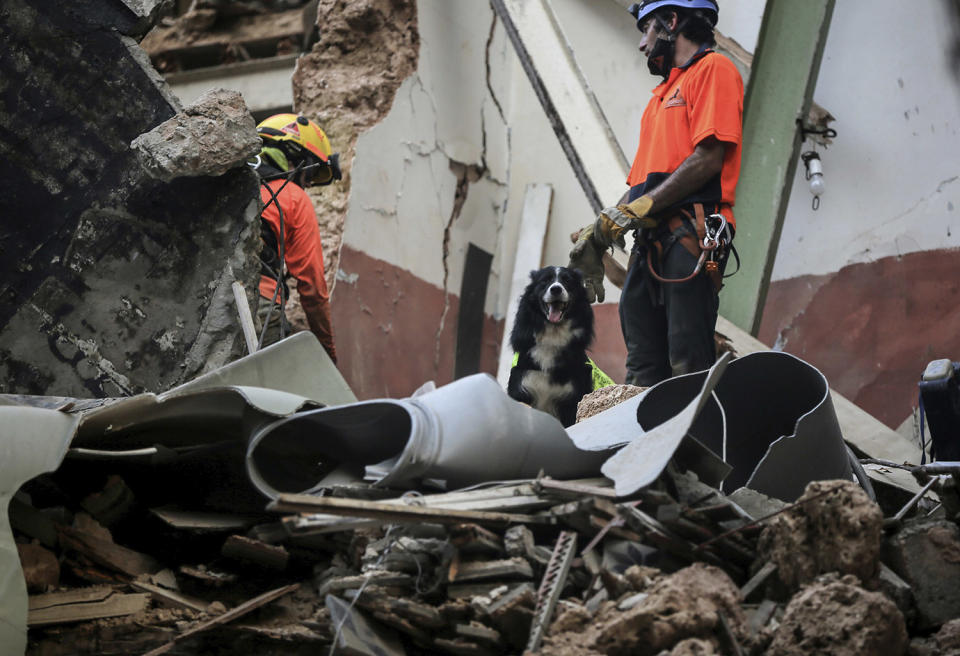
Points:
x=605 y=398
x=836 y=616
x=834 y=527
x=685 y=605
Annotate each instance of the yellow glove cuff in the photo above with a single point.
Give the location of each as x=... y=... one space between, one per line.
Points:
x=638 y=208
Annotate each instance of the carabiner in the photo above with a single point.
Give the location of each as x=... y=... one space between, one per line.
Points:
x=712 y=237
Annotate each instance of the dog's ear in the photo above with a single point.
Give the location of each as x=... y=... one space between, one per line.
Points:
x=533 y=274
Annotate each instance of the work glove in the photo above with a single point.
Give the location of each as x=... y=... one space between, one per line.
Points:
x=613 y=222
x=586 y=256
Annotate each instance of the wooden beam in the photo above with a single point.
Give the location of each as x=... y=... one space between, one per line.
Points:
x=394 y=513
x=232 y=614
x=82 y=605
x=170 y=597
x=783 y=76
x=529 y=254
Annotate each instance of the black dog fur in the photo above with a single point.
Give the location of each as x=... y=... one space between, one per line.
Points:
x=551 y=333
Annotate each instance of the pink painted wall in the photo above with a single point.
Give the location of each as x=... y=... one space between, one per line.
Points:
x=871 y=328
x=386 y=326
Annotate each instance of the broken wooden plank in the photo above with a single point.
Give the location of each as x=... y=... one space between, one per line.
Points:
x=335 y=584
x=402 y=625
x=80 y=595
x=521 y=497
x=757 y=580
x=229 y=616
x=474 y=539
x=191 y=520
x=394 y=513
x=461 y=647
x=477 y=632
x=106 y=553
x=170 y=598
x=612 y=527
x=82 y=605
x=246 y=550
x=600 y=487
x=208 y=576
x=471 y=590
x=423 y=615
x=508 y=568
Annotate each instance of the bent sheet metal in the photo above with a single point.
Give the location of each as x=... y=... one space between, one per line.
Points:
x=769 y=415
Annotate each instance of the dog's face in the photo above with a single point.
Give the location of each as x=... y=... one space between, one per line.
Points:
x=556 y=289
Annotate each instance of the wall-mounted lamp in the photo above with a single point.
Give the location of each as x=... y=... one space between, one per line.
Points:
x=811 y=160
x=818 y=133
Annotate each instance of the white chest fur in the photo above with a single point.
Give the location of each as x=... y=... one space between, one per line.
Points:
x=544 y=393
x=551 y=340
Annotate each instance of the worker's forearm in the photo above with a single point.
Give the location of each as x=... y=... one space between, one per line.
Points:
x=317 y=311
x=705 y=162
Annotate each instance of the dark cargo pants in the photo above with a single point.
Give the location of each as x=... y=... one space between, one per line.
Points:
x=668 y=327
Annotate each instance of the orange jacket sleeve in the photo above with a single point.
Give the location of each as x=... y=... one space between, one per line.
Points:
x=303 y=253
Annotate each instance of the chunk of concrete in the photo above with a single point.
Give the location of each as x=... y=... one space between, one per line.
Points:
x=926 y=554
x=834 y=527
x=838 y=617
x=684 y=605
x=209 y=137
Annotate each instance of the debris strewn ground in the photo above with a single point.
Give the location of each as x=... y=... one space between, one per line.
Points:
x=114 y=567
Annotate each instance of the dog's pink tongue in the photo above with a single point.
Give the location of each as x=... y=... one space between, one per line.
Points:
x=554 y=314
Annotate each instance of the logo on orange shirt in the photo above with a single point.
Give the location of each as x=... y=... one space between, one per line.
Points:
x=676 y=100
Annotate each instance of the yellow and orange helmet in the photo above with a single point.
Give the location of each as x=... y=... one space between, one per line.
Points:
x=289 y=139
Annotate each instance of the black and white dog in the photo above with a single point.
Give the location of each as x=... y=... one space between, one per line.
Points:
x=550 y=336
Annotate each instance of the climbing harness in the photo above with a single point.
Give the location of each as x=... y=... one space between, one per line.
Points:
x=710 y=242
x=280 y=292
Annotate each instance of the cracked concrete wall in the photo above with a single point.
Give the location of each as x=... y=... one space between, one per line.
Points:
x=864 y=287
x=427 y=181
x=448 y=166
x=112 y=283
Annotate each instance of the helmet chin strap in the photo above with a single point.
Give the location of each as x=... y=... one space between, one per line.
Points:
x=660 y=61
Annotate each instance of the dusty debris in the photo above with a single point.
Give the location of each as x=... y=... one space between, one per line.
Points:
x=694 y=647
x=674 y=568
x=604 y=398
x=41 y=569
x=683 y=605
x=839 y=617
x=834 y=527
x=948 y=637
x=926 y=555
x=209 y=137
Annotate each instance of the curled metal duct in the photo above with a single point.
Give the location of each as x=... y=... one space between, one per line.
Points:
x=463 y=433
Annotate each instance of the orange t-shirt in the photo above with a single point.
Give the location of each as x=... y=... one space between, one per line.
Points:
x=303 y=254
x=702 y=99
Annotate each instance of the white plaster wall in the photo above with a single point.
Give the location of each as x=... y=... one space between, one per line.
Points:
x=403 y=189
x=893 y=173
x=471 y=102
x=740 y=20
x=265 y=86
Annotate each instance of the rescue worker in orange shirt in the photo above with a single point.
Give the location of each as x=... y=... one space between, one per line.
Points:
x=296 y=153
x=680 y=198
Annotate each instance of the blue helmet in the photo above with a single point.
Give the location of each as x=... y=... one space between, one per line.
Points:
x=641 y=10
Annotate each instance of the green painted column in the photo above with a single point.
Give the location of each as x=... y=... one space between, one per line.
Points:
x=780 y=89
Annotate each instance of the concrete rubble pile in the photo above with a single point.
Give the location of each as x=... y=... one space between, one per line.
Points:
x=192 y=545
